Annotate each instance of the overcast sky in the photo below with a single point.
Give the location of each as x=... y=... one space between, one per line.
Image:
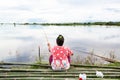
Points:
x=59 y=10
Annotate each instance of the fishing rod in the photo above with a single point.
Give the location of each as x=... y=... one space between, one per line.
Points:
x=104 y=58
x=45 y=36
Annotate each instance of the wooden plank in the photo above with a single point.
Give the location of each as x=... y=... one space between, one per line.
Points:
x=57 y=76
x=47 y=65
x=31 y=78
x=46 y=73
x=90 y=66
x=56 y=73
x=51 y=71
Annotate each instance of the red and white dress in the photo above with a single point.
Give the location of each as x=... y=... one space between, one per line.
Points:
x=60 y=58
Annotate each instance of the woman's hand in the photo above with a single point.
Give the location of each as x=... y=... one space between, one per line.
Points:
x=48 y=46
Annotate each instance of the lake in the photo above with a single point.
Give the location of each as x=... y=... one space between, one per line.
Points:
x=20 y=43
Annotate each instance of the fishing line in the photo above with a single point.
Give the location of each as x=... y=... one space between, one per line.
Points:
x=45 y=36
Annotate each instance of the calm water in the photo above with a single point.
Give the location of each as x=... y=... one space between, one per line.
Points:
x=20 y=43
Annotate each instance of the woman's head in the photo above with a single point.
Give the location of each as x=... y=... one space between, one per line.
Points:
x=60 y=40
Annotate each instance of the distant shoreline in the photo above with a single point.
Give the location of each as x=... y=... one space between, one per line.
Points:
x=110 y=23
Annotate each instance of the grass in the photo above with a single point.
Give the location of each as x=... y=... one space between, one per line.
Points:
x=36 y=66
x=113 y=64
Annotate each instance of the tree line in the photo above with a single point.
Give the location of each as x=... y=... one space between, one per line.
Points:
x=110 y=23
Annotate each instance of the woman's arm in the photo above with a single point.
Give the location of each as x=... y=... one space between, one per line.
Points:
x=49 y=47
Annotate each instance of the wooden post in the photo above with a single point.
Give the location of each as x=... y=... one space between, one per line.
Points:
x=39 y=53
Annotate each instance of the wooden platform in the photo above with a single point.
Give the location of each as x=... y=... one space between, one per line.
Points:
x=22 y=71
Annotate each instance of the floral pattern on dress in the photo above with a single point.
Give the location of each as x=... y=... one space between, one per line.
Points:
x=60 y=57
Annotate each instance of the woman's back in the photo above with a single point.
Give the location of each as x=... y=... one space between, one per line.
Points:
x=60 y=58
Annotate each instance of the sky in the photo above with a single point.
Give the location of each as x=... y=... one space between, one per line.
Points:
x=59 y=10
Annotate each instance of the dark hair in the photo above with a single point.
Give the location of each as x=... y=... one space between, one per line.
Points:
x=60 y=40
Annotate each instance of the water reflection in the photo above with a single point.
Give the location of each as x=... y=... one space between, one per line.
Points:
x=20 y=43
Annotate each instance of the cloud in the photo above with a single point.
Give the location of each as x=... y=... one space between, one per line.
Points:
x=59 y=10
x=116 y=10
x=21 y=7
x=36 y=20
x=29 y=38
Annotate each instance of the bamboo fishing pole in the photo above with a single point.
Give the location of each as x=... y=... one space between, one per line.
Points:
x=104 y=58
x=45 y=36
x=48 y=44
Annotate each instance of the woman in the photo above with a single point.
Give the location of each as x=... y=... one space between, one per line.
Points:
x=60 y=55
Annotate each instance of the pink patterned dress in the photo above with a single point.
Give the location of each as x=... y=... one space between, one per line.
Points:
x=60 y=58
